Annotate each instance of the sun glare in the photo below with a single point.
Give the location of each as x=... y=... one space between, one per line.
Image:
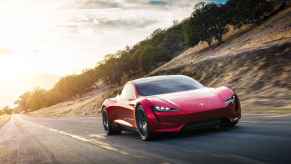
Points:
x=49 y=39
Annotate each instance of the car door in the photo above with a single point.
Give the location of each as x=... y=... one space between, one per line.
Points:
x=127 y=109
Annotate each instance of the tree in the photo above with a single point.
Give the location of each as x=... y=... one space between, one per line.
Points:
x=31 y=101
x=208 y=22
x=249 y=11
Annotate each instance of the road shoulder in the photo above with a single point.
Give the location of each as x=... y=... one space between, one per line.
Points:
x=4 y=119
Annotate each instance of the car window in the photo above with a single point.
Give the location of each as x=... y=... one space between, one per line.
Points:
x=128 y=92
x=167 y=85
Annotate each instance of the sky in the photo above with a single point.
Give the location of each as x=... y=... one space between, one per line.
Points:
x=44 y=40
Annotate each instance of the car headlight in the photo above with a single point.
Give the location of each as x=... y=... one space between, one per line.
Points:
x=163 y=109
x=230 y=100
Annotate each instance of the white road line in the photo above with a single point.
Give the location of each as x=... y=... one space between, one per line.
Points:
x=99 y=136
x=95 y=142
x=249 y=121
x=91 y=141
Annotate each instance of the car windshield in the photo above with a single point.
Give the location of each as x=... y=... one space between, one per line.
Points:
x=167 y=85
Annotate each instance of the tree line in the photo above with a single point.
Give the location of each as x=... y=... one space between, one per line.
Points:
x=208 y=23
x=6 y=110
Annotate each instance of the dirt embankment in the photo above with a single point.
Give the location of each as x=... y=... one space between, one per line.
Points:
x=85 y=106
x=262 y=78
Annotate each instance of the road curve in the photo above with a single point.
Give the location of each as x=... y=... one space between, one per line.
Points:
x=29 y=140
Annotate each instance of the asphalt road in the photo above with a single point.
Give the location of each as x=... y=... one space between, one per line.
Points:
x=257 y=139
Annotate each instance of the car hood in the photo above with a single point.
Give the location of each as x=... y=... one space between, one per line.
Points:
x=194 y=100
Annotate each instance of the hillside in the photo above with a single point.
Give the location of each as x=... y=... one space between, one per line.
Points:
x=255 y=62
x=87 y=105
x=274 y=31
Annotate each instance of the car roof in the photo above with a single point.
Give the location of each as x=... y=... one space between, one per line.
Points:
x=157 y=78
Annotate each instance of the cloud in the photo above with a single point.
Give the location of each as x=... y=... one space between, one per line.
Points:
x=103 y=4
x=95 y=22
x=141 y=23
x=99 y=4
x=128 y=14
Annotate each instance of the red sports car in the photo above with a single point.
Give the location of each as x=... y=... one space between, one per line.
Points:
x=170 y=103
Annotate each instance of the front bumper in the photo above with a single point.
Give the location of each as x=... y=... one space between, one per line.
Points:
x=174 y=122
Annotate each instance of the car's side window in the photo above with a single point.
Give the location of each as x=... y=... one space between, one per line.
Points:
x=128 y=92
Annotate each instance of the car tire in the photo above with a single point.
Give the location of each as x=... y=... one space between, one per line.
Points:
x=109 y=127
x=232 y=124
x=229 y=124
x=143 y=127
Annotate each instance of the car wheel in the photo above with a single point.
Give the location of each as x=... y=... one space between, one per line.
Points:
x=143 y=126
x=232 y=124
x=229 y=124
x=109 y=127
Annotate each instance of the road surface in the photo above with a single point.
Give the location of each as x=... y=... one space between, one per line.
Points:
x=29 y=140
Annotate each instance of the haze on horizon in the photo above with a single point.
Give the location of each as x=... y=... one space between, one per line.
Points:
x=41 y=41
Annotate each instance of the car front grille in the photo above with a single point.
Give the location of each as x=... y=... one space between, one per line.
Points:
x=203 y=124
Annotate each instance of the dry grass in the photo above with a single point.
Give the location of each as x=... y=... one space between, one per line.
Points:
x=86 y=106
x=262 y=78
x=271 y=111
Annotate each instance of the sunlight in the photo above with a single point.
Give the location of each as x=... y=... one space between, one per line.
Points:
x=42 y=41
